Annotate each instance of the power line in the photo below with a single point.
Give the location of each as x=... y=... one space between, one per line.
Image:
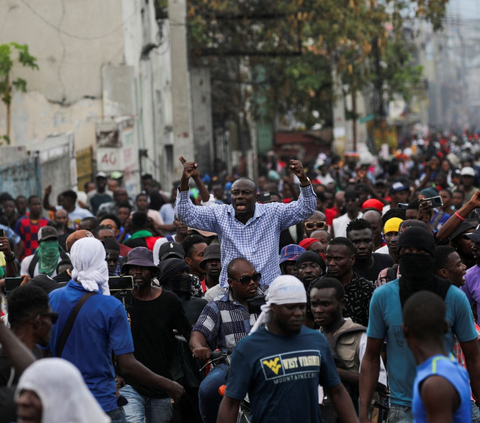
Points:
x=79 y=37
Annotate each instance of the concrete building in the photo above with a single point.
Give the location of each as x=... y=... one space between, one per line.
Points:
x=114 y=75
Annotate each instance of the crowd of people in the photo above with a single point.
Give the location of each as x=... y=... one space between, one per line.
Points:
x=334 y=291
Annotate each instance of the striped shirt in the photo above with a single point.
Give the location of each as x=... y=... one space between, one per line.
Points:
x=225 y=322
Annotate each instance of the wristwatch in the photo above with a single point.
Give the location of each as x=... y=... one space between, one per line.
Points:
x=307 y=183
x=12 y=258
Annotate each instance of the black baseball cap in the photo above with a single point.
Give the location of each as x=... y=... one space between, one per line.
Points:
x=474 y=236
x=464 y=227
x=46 y=233
x=171 y=249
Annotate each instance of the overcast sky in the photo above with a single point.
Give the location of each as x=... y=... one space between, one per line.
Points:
x=469 y=9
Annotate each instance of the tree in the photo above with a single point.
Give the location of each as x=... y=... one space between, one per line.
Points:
x=7 y=80
x=291 y=49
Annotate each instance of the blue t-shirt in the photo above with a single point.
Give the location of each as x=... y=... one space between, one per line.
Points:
x=101 y=327
x=281 y=375
x=449 y=369
x=386 y=322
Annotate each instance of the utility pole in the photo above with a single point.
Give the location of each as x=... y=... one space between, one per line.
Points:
x=181 y=92
x=354 y=119
x=380 y=107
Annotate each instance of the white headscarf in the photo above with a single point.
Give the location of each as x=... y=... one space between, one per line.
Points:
x=64 y=395
x=285 y=289
x=89 y=265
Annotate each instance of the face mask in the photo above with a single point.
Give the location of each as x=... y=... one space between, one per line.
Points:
x=180 y=283
x=416 y=271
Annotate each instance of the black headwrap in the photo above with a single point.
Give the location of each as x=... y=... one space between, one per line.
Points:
x=46 y=283
x=312 y=256
x=171 y=277
x=416 y=270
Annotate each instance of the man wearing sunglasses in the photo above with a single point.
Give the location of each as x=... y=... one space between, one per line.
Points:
x=316 y=221
x=31 y=320
x=223 y=323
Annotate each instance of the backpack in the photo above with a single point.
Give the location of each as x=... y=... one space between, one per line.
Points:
x=392 y=273
x=33 y=263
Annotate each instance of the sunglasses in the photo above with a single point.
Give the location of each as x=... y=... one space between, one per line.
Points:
x=318 y=224
x=245 y=280
x=53 y=316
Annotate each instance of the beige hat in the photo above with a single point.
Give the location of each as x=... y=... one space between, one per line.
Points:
x=83 y=233
x=206 y=234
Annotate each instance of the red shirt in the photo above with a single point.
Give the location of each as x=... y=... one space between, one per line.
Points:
x=28 y=231
x=331 y=214
x=124 y=250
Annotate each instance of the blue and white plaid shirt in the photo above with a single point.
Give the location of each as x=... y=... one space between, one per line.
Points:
x=258 y=239
x=224 y=322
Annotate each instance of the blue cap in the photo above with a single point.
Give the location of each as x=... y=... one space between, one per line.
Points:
x=397 y=187
x=291 y=252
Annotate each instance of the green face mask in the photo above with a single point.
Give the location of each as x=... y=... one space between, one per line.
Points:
x=48 y=254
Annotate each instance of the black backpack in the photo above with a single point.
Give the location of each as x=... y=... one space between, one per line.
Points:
x=33 y=263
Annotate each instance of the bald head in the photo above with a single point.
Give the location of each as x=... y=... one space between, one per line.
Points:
x=375 y=219
x=60 y=213
x=316 y=221
x=318 y=215
x=245 y=182
x=323 y=236
x=120 y=195
x=373 y=216
x=339 y=199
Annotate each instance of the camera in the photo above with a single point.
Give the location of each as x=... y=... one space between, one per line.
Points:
x=11 y=284
x=432 y=202
x=120 y=283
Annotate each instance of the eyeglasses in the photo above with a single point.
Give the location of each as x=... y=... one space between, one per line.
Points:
x=318 y=224
x=245 y=280
x=53 y=316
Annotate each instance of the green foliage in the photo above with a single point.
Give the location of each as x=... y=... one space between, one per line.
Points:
x=20 y=84
x=6 y=67
x=5 y=138
x=9 y=54
x=299 y=45
x=161 y=9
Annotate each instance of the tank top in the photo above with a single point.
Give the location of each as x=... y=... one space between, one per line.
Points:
x=449 y=369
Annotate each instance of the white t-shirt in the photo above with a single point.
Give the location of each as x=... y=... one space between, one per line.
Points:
x=82 y=197
x=340 y=224
x=383 y=250
x=214 y=292
x=325 y=180
x=157 y=245
x=26 y=264
x=76 y=216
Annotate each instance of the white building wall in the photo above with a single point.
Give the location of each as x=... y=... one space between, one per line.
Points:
x=92 y=70
x=72 y=41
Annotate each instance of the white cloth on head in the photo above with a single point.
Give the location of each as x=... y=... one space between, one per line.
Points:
x=89 y=265
x=64 y=395
x=285 y=289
